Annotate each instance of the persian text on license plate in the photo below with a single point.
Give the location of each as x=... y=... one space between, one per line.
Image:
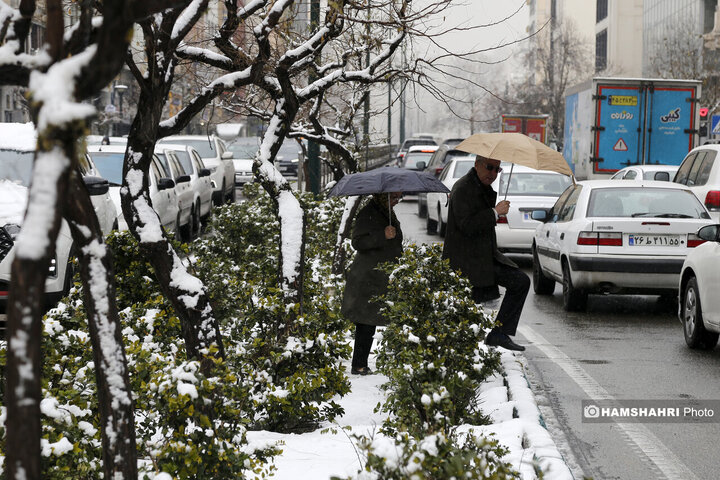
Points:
x=655 y=240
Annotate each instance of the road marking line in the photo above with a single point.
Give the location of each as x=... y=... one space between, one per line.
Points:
x=639 y=435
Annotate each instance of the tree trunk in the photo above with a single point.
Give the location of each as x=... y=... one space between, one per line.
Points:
x=186 y=293
x=111 y=370
x=25 y=310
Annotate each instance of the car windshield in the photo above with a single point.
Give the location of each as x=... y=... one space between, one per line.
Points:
x=533 y=184
x=16 y=166
x=244 y=150
x=288 y=151
x=412 y=158
x=109 y=165
x=644 y=202
x=462 y=167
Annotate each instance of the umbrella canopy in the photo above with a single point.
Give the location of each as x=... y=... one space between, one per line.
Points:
x=515 y=148
x=387 y=180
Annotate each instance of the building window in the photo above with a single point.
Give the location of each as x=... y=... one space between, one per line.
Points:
x=601 y=51
x=601 y=10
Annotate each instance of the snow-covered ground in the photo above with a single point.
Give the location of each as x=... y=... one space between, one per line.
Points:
x=506 y=398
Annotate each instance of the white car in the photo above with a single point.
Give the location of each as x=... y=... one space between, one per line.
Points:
x=244 y=150
x=701 y=173
x=418 y=157
x=17 y=151
x=699 y=302
x=217 y=158
x=188 y=222
x=437 y=203
x=664 y=173
x=109 y=161
x=610 y=237
x=526 y=189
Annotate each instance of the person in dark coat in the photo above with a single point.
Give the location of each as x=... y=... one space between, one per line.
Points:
x=471 y=247
x=377 y=238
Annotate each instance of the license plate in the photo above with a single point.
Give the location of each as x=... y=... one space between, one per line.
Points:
x=654 y=240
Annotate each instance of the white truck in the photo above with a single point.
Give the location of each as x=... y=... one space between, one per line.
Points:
x=611 y=123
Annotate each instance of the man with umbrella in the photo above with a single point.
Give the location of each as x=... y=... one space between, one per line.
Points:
x=471 y=247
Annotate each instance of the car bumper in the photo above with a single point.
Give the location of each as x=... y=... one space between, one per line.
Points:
x=514 y=240
x=616 y=274
x=241 y=178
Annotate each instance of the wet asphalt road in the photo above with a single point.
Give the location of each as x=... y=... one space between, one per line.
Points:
x=624 y=348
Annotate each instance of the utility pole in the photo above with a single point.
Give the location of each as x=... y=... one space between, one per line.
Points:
x=313 y=160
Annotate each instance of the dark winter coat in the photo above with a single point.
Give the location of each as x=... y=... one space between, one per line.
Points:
x=470 y=241
x=363 y=281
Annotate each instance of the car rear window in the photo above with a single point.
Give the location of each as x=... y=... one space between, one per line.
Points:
x=644 y=202
x=462 y=167
x=533 y=184
x=417 y=141
x=412 y=158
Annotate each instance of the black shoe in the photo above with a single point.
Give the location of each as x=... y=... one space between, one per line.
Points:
x=497 y=339
x=361 y=371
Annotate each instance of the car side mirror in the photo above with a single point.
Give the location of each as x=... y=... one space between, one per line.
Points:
x=165 y=183
x=183 y=179
x=709 y=233
x=540 y=215
x=662 y=176
x=421 y=165
x=96 y=185
x=227 y=156
x=204 y=172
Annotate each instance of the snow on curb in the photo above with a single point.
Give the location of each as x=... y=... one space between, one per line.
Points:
x=518 y=424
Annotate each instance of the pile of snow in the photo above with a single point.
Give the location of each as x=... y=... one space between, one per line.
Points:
x=18 y=136
x=13 y=199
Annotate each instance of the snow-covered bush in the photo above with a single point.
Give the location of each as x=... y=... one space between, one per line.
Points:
x=433 y=457
x=291 y=356
x=432 y=352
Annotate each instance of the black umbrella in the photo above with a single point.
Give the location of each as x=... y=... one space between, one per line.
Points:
x=387 y=180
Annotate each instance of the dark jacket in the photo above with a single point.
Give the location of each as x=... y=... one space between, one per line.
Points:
x=470 y=242
x=362 y=280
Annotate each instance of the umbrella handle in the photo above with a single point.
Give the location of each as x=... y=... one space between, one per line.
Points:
x=389 y=211
x=507 y=187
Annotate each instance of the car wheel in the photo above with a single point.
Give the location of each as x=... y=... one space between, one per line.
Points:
x=195 y=222
x=542 y=285
x=180 y=230
x=422 y=209
x=232 y=197
x=431 y=225
x=574 y=299
x=696 y=336
x=443 y=225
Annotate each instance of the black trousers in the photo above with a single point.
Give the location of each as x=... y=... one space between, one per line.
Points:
x=363 y=344
x=517 y=285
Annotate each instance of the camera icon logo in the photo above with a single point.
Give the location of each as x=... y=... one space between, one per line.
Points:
x=591 y=411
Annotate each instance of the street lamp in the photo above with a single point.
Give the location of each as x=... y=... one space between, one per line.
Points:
x=120 y=90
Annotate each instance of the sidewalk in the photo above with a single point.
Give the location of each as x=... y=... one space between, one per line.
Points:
x=506 y=398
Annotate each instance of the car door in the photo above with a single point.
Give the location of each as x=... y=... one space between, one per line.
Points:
x=204 y=185
x=164 y=201
x=550 y=236
x=708 y=275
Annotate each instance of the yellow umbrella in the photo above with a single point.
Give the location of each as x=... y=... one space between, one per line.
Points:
x=516 y=148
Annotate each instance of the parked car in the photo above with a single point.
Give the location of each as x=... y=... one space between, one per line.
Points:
x=701 y=173
x=646 y=172
x=418 y=156
x=288 y=158
x=442 y=156
x=109 y=162
x=699 y=302
x=609 y=237
x=410 y=142
x=192 y=163
x=188 y=219
x=244 y=150
x=216 y=157
x=527 y=189
x=17 y=149
x=438 y=202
